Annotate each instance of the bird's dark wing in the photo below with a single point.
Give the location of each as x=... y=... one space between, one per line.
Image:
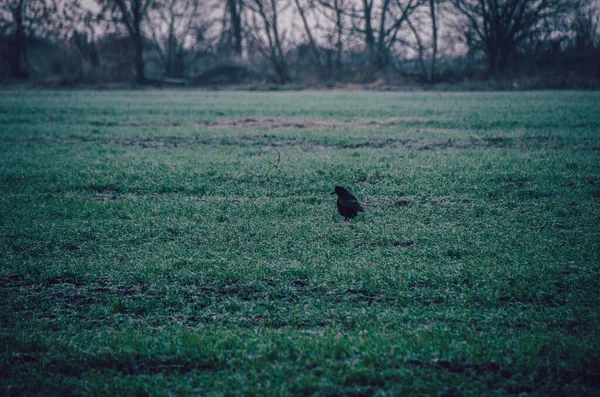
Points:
x=350 y=203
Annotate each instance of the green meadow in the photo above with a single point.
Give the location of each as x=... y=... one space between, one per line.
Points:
x=185 y=243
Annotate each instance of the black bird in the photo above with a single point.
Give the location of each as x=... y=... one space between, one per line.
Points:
x=347 y=204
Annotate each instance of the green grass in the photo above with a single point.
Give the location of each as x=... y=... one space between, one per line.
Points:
x=152 y=243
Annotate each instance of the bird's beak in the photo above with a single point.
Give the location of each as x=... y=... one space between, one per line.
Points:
x=332 y=192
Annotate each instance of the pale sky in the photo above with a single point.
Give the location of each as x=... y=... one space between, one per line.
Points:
x=90 y=5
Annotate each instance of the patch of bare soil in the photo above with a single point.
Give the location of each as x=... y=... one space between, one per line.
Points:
x=72 y=297
x=102 y=123
x=403 y=202
x=271 y=123
x=265 y=140
x=157 y=142
x=154 y=123
x=273 y=140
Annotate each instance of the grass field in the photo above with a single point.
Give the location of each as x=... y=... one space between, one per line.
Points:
x=181 y=242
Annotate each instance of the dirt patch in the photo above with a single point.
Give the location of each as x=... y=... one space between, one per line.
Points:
x=264 y=123
x=157 y=142
x=262 y=140
x=211 y=140
x=280 y=139
x=154 y=123
x=103 y=123
x=71 y=298
x=403 y=202
x=403 y=244
x=522 y=141
x=456 y=366
x=277 y=141
x=270 y=123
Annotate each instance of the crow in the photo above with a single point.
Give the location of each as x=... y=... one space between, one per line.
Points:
x=347 y=204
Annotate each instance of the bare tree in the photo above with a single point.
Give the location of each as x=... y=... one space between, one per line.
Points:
x=234 y=10
x=266 y=35
x=79 y=32
x=22 y=19
x=302 y=10
x=131 y=14
x=499 y=26
x=176 y=25
x=382 y=23
x=338 y=8
x=230 y=41
x=434 y=39
x=337 y=12
x=369 y=34
x=585 y=27
x=426 y=38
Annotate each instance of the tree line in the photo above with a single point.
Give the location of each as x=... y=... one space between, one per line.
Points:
x=286 y=41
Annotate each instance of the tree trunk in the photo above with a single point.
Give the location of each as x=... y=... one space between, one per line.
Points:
x=236 y=25
x=497 y=60
x=282 y=66
x=19 y=58
x=369 y=36
x=93 y=52
x=311 y=40
x=275 y=51
x=434 y=38
x=172 y=52
x=338 y=45
x=491 y=53
x=138 y=43
x=505 y=53
x=381 y=55
x=139 y=60
x=420 y=49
